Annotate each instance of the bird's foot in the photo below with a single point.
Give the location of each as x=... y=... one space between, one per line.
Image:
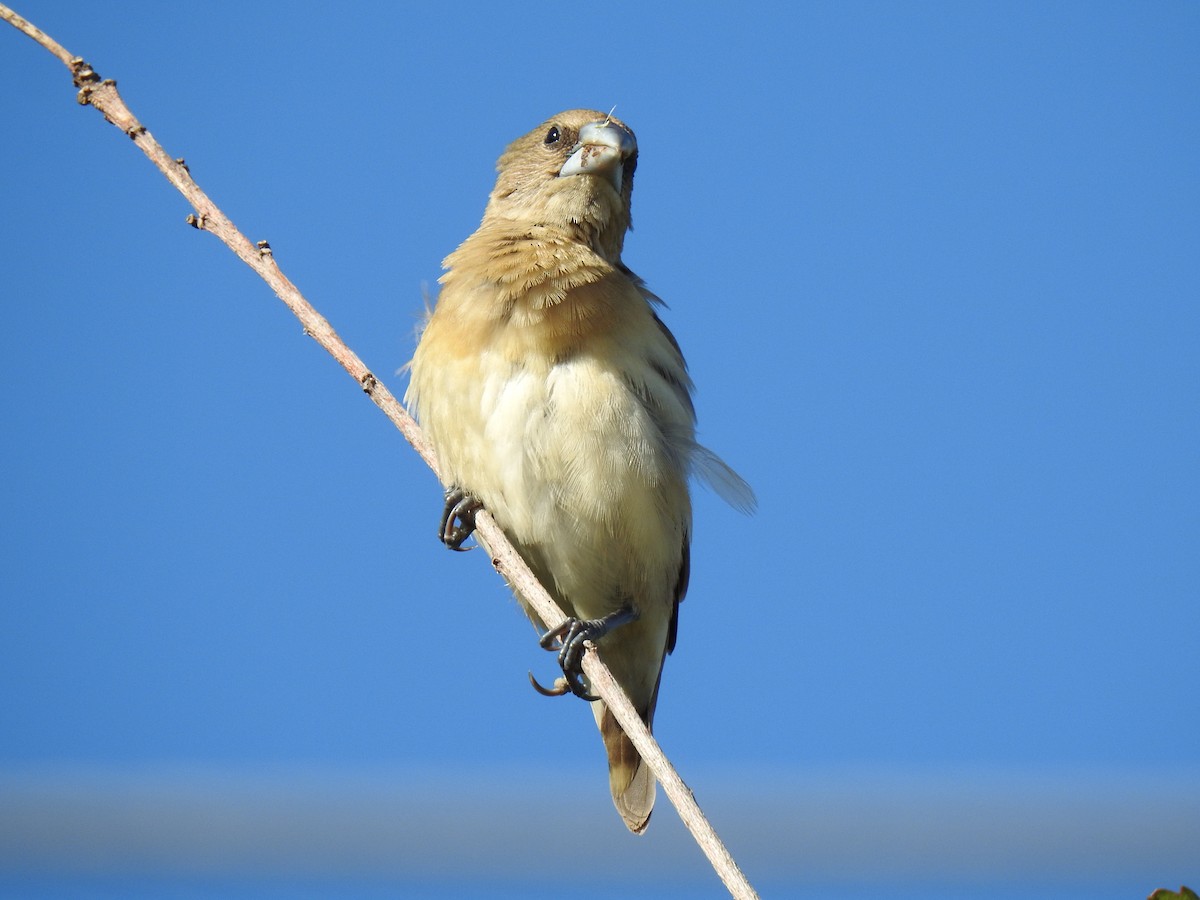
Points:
x=458 y=518
x=570 y=639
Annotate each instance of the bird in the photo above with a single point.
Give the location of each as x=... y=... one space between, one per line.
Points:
x=556 y=398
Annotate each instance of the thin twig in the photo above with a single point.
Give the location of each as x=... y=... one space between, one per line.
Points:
x=102 y=94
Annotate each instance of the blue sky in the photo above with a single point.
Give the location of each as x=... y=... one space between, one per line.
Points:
x=934 y=268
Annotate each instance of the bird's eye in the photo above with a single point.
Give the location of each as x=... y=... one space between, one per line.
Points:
x=552 y=135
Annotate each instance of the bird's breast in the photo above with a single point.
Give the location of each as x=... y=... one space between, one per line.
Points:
x=545 y=396
x=571 y=442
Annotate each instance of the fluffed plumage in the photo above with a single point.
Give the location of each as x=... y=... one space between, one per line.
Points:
x=555 y=396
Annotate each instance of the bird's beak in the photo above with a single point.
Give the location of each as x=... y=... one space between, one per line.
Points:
x=602 y=150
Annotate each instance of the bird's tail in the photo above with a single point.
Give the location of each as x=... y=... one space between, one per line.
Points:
x=629 y=778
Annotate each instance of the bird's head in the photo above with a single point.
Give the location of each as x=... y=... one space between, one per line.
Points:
x=574 y=172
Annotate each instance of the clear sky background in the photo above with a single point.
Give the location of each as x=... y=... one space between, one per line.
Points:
x=936 y=270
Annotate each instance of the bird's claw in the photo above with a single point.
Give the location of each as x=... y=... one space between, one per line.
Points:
x=570 y=641
x=458 y=518
x=560 y=687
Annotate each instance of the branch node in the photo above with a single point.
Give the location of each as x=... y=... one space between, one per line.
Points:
x=197 y=221
x=182 y=163
x=264 y=249
x=81 y=73
x=369 y=383
x=135 y=131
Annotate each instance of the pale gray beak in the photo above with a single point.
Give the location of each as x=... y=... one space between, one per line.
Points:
x=602 y=150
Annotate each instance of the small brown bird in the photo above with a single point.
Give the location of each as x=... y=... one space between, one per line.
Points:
x=556 y=399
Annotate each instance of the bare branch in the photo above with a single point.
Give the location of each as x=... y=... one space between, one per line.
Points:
x=103 y=95
x=27 y=27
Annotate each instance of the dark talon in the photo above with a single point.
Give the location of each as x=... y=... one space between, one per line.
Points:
x=570 y=640
x=458 y=518
x=560 y=687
